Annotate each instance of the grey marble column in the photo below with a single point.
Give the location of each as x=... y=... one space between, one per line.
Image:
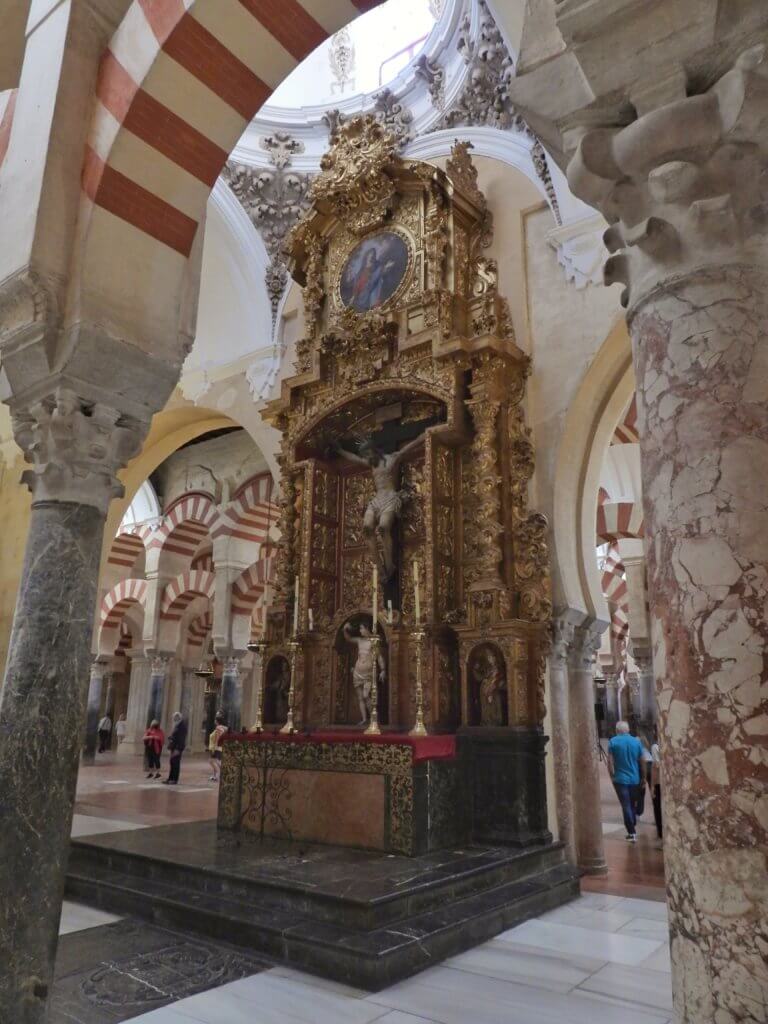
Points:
x=157 y=684
x=76 y=448
x=590 y=852
x=41 y=721
x=93 y=711
x=231 y=704
x=563 y=633
x=138 y=698
x=185 y=697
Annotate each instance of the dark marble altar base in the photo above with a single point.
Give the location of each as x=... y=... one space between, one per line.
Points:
x=508 y=786
x=117 y=971
x=358 y=916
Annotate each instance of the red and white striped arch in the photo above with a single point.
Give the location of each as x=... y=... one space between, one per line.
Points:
x=177 y=87
x=614 y=586
x=122 y=595
x=199 y=628
x=182 y=591
x=619 y=520
x=203 y=560
x=250 y=513
x=185 y=526
x=250 y=586
x=126 y=549
x=626 y=432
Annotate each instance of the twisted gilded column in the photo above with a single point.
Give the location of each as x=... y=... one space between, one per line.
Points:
x=684 y=189
x=585 y=765
x=76 y=451
x=562 y=634
x=485 y=503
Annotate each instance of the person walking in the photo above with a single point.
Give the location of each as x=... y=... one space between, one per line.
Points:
x=154 y=738
x=625 y=765
x=214 y=746
x=105 y=733
x=177 y=741
x=656 y=785
x=120 y=728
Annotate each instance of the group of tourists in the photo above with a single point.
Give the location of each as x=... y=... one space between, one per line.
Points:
x=633 y=764
x=154 y=741
x=105 y=732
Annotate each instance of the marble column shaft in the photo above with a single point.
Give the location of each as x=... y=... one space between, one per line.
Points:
x=585 y=765
x=690 y=241
x=42 y=709
x=231 y=703
x=157 y=685
x=138 y=699
x=559 y=711
x=93 y=712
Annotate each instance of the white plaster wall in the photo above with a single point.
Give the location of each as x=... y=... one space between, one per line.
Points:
x=567 y=327
x=226 y=461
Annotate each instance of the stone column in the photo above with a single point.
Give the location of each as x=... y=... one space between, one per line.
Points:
x=76 y=450
x=646 y=697
x=138 y=698
x=612 y=714
x=563 y=633
x=590 y=853
x=93 y=711
x=185 y=697
x=157 y=684
x=231 y=703
x=197 y=739
x=690 y=237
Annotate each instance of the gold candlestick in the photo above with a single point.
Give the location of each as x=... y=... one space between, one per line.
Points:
x=373 y=726
x=419 y=729
x=289 y=726
x=259 y=647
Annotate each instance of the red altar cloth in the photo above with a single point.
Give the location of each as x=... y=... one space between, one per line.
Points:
x=424 y=748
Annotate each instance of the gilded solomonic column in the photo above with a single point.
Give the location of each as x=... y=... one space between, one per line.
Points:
x=684 y=188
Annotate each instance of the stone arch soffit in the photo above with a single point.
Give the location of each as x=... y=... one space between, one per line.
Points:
x=205 y=69
x=595 y=411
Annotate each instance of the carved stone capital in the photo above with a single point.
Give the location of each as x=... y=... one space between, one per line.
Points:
x=159 y=664
x=76 y=448
x=563 y=633
x=682 y=186
x=586 y=643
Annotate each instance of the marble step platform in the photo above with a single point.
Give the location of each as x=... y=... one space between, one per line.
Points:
x=360 y=917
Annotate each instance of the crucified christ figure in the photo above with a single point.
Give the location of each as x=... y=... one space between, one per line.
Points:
x=384 y=507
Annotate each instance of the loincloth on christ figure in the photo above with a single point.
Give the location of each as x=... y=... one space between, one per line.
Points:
x=381 y=503
x=362 y=681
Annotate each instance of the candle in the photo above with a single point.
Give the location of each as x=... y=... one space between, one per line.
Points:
x=375 y=595
x=417 y=602
x=390 y=617
x=296 y=607
x=311 y=621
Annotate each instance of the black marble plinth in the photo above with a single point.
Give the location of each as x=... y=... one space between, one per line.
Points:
x=358 y=916
x=508 y=785
x=42 y=719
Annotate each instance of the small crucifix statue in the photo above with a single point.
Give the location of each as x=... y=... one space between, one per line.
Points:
x=384 y=507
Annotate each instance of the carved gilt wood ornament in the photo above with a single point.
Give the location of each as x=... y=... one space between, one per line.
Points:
x=408 y=350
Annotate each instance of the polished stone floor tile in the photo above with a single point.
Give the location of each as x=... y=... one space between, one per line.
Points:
x=542 y=968
x=76 y=917
x=643 y=908
x=285 y=998
x=456 y=997
x=313 y=981
x=581 y=917
x=90 y=825
x=646 y=928
x=660 y=960
x=563 y=938
x=632 y=985
x=398 y=1017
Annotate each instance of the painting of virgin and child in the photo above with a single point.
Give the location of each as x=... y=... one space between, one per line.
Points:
x=374 y=271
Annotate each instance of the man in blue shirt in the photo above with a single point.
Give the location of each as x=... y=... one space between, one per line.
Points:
x=625 y=758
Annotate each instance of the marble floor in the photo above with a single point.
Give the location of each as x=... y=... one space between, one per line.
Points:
x=602 y=959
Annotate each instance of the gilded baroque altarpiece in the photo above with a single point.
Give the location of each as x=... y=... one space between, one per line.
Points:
x=407 y=337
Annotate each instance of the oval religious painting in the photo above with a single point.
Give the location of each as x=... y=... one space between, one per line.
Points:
x=374 y=271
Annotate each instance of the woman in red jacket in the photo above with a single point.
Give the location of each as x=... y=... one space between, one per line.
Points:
x=154 y=738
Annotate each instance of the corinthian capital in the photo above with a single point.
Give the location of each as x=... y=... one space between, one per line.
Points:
x=683 y=185
x=76 y=448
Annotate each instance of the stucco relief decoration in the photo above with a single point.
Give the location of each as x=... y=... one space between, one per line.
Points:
x=274 y=198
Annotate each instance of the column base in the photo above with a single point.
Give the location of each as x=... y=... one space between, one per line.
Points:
x=594 y=868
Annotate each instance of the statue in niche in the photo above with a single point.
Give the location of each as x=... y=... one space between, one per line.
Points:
x=362 y=670
x=489 y=686
x=278 y=684
x=384 y=508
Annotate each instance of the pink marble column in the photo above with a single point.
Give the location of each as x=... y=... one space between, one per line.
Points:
x=585 y=765
x=562 y=636
x=684 y=186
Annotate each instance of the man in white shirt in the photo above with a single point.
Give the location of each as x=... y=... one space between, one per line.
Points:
x=105 y=734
